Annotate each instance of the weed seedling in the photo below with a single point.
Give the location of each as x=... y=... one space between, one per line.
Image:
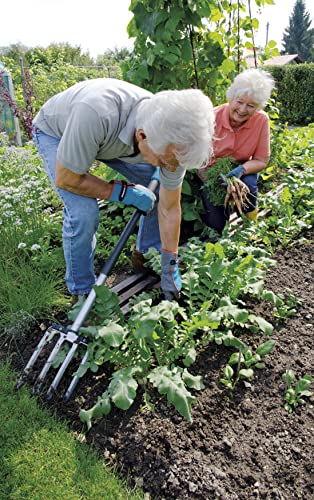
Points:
x=294 y=395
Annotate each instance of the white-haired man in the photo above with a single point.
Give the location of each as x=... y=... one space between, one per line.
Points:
x=132 y=131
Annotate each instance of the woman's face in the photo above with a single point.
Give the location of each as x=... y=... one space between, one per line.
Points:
x=241 y=109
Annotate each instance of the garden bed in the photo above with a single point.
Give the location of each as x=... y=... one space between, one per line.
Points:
x=240 y=448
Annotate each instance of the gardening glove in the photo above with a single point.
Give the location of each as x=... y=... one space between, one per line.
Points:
x=170 y=277
x=133 y=194
x=236 y=172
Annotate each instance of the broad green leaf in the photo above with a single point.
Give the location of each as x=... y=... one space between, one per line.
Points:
x=228 y=66
x=186 y=51
x=170 y=383
x=305 y=393
x=216 y=15
x=193 y=381
x=255 y=23
x=219 y=250
x=145 y=325
x=266 y=327
x=265 y=348
x=286 y=195
x=246 y=373
x=234 y=358
x=122 y=389
x=101 y=408
x=190 y=357
x=302 y=385
x=288 y=377
x=231 y=341
x=228 y=372
x=186 y=188
x=113 y=334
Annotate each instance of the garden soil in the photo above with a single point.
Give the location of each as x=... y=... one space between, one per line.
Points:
x=244 y=447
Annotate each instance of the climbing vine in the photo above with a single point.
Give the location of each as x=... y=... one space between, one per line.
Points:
x=190 y=43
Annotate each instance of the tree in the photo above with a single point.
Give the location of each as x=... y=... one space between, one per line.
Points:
x=298 y=37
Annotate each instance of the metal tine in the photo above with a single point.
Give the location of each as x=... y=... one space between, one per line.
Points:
x=61 y=370
x=44 y=340
x=39 y=382
x=75 y=380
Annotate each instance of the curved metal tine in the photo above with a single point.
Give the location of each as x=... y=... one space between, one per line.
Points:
x=44 y=340
x=61 y=370
x=75 y=380
x=39 y=382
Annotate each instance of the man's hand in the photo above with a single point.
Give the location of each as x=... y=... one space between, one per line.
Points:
x=170 y=278
x=236 y=172
x=133 y=194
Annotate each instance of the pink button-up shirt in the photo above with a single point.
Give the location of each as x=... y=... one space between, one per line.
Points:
x=250 y=141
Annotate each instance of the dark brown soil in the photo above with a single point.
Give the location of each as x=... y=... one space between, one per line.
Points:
x=241 y=448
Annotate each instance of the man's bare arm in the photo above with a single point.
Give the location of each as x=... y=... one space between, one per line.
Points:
x=83 y=184
x=169 y=217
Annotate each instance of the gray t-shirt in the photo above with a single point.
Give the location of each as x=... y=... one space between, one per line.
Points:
x=95 y=120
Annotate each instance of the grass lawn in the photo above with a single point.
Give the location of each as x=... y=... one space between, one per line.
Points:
x=40 y=459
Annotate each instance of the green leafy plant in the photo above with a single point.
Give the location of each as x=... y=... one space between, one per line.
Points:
x=241 y=364
x=213 y=187
x=294 y=394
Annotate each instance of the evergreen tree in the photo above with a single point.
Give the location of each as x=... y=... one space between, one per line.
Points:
x=298 y=37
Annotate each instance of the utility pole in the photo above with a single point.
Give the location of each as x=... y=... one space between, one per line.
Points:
x=267 y=29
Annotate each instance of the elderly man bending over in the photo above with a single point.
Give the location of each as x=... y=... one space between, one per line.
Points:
x=132 y=131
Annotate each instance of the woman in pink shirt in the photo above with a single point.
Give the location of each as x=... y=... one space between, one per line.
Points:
x=243 y=132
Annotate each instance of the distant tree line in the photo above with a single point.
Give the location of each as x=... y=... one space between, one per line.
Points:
x=57 y=52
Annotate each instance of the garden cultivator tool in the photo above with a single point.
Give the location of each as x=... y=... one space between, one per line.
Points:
x=70 y=335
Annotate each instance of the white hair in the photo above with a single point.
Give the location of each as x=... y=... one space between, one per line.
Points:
x=254 y=82
x=183 y=118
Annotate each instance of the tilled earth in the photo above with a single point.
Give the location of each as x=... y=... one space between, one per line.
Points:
x=243 y=447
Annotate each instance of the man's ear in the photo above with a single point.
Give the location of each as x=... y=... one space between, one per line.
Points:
x=140 y=135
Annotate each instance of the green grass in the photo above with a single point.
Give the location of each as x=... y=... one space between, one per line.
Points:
x=26 y=291
x=40 y=459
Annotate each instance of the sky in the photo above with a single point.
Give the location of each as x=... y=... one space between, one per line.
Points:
x=98 y=25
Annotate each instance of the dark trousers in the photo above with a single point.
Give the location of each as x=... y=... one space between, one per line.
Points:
x=217 y=216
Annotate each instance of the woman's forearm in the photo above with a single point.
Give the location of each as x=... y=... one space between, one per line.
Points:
x=254 y=166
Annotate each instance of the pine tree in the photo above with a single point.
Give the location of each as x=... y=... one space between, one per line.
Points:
x=298 y=37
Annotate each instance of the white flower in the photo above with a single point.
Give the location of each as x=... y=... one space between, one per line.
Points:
x=21 y=245
x=35 y=247
x=29 y=210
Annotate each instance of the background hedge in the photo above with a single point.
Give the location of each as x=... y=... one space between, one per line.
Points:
x=295 y=95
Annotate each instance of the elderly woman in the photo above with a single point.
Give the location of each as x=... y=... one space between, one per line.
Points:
x=242 y=132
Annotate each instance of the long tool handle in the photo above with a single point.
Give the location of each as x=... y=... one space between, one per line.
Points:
x=128 y=230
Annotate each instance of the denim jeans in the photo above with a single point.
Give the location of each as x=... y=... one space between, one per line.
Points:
x=217 y=216
x=81 y=217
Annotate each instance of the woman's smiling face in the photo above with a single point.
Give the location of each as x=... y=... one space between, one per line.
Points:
x=241 y=109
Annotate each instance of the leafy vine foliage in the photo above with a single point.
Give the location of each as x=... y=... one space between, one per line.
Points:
x=189 y=43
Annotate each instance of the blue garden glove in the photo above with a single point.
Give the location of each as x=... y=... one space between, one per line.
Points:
x=170 y=278
x=236 y=172
x=133 y=194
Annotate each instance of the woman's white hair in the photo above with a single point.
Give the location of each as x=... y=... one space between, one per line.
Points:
x=254 y=82
x=183 y=118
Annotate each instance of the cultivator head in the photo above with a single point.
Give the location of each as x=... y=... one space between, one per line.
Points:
x=58 y=337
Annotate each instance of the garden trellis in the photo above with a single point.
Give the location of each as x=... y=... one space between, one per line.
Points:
x=8 y=121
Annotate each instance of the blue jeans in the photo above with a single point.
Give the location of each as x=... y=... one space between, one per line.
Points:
x=81 y=217
x=217 y=216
